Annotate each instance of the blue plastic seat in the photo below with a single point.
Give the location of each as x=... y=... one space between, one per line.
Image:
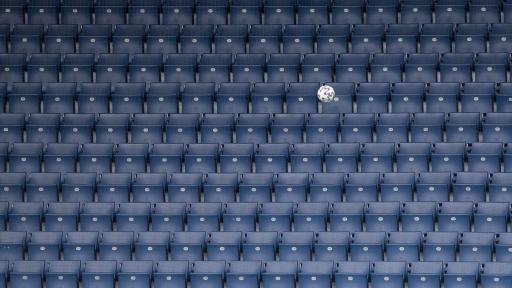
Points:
x=182 y=128
x=79 y=246
x=59 y=98
x=318 y=67
x=367 y=38
x=462 y=127
x=42 y=128
x=214 y=68
x=357 y=127
x=78 y=187
x=495 y=275
x=436 y=38
x=196 y=39
x=427 y=127
x=397 y=187
x=442 y=97
x=236 y=158
x=448 y=157
x=114 y=187
x=491 y=67
x=110 y=12
x=148 y=187
x=44 y=245
x=326 y=187
x=13 y=12
x=362 y=187
x=287 y=128
x=352 y=68
x=255 y=187
x=388 y=274
x=112 y=128
x=367 y=246
x=12 y=67
x=401 y=38
x=180 y=68
x=233 y=97
x=178 y=11
x=77 y=67
x=163 y=98
x=144 y=12
x=65 y=273
x=471 y=38
x=433 y=186
x=440 y=246
x=279 y=12
x=207 y=273
x=377 y=157
x=275 y=216
x=240 y=217
x=491 y=217
x=418 y=216
x=145 y=68
x=484 y=157
x=268 y=98
x=93 y=98
x=194 y=241
x=291 y=187
x=204 y=216
x=271 y=158
x=331 y=246
x=13 y=186
x=97 y=217
x=450 y=11
x=43 y=187
x=382 y=11
x=299 y=39
x=403 y=246
x=76 y=12
x=259 y=246
x=456 y=67
x=499 y=37
x=112 y=68
x=133 y=217
x=295 y=246
x=507 y=159
x=279 y=274
x=162 y=39
x=165 y=158
x=147 y=128
x=345 y=216
x=502 y=245
x=352 y=273
x=387 y=67
x=382 y=216
x=246 y=12
x=170 y=273
x=495 y=127
x=76 y=128
x=477 y=98
x=332 y=38
x=135 y=273
x=342 y=102
x=43 y=12
x=217 y=128
x=99 y=274
x=212 y=12
x=348 y=12
x=61 y=216
x=283 y=68
x=12 y=127
x=300 y=98
x=421 y=67
x=461 y=273
x=25 y=216
x=306 y=157
x=223 y=246
x=469 y=186
x=372 y=97
x=243 y=274
x=310 y=217
x=94 y=39
x=25 y=274
x=392 y=127
x=265 y=39
x=26 y=157
x=220 y=187
x=425 y=274
x=128 y=39
x=43 y=68
x=201 y=158
x=313 y=12
x=12 y=245
x=96 y=158
x=26 y=39
x=167 y=217
x=131 y=158
x=455 y=216
x=322 y=128
x=249 y=68
x=151 y=246
x=198 y=98
x=115 y=246
x=484 y=11
x=412 y=157
x=231 y=39
x=499 y=187
x=252 y=128
x=24 y=98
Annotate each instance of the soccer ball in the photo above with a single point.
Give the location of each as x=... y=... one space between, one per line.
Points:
x=325 y=93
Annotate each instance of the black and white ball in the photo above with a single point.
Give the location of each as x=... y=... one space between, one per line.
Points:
x=325 y=93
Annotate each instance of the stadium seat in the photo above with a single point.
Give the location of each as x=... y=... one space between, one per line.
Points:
x=491 y=217
x=299 y=39
x=112 y=68
x=214 y=68
x=182 y=128
x=44 y=245
x=259 y=246
x=159 y=157
x=249 y=68
x=310 y=217
x=470 y=38
x=434 y=186
x=407 y=97
x=77 y=67
x=306 y=157
x=133 y=217
x=27 y=274
x=499 y=37
x=12 y=67
x=436 y=38
x=239 y=217
x=362 y=187
x=43 y=68
x=275 y=216
x=477 y=98
x=271 y=158
x=425 y=273
x=397 y=187
x=284 y=273
x=223 y=246
x=495 y=127
x=368 y=246
x=313 y=12
x=135 y=273
x=372 y=97
x=163 y=98
x=454 y=216
x=495 y=274
x=483 y=11
x=357 y=127
x=421 y=67
x=115 y=246
x=352 y=68
x=194 y=241
x=167 y=217
x=42 y=128
x=96 y=217
x=318 y=67
x=26 y=157
x=283 y=68
x=43 y=187
x=96 y=158
x=243 y=273
x=255 y=187
x=231 y=39
x=76 y=12
x=196 y=38
x=456 y=67
x=151 y=246
x=236 y=158
x=148 y=187
x=144 y=12
x=94 y=39
x=66 y=273
x=469 y=186
x=252 y=128
x=61 y=216
x=347 y=216
x=352 y=273
x=147 y=128
x=462 y=127
x=162 y=39
x=93 y=98
x=13 y=186
x=12 y=127
x=484 y=157
x=448 y=157
x=491 y=67
x=440 y=246
x=13 y=245
x=98 y=273
x=499 y=187
x=291 y=187
x=279 y=12
x=442 y=97
x=463 y=273
x=114 y=187
x=24 y=98
x=220 y=187
x=388 y=274
x=401 y=38
x=382 y=216
x=145 y=68
x=59 y=98
x=198 y=98
x=217 y=128
x=207 y=273
x=377 y=157
x=245 y=12
x=204 y=216
x=348 y=12
x=233 y=97
x=412 y=157
x=13 y=12
x=448 y=11
x=170 y=273
x=502 y=246
x=387 y=67
x=78 y=187
x=367 y=38
x=392 y=127
x=25 y=216
x=178 y=12
x=418 y=216
x=128 y=39
x=382 y=11
x=332 y=38
x=26 y=39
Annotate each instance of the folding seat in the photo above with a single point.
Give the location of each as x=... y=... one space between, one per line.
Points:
x=484 y=157
x=455 y=216
x=499 y=37
x=348 y=12
x=382 y=11
x=469 y=186
x=43 y=12
x=162 y=39
x=78 y=187
x=165 y=158
x=313 y=12
x=12 y=245
x=79 y=246
x=94 y=39
x=97 y=217
x=397 y=187
x=233 y=97
x=43 y=187
x=44 y=245
x=471 y=38
x=271 y=158
x=212 y=12
x=223 y=246
x=332 y=39
x=220 y=187
x=484 y=11
x=128 y=39
x=76 y=128
x=180 y=68
x=318 y=67
x=388 y=274
x=421 y=67
x=352 y=273
x=462 y=127
x=133 y=217
x=214 y=68
x=12 y=127
x=62 y=273
x=433 y=186
x=77 y=68
x=93 y=98
x=145 y=68
x=495 y=127
x=283 y=68
x=291 y=187
x=425 y=274
x=287 y=128
x=460 y=274
x=450 y=11
x=196 y=39
x=96 y=158
x=252 y=128
x=112 y=128
x=392 y=127
x=499 y=187
x=300 y=98
x=412 y=157
x=204 y=216
x=128 y=98
x=182 y=128
x=256 y=187
x=43 y=68
x=322 y=128
x=306 y=157
x=310 y=217
x=440 y=246
x=259 y=246
x=279 y=274
x=295 y=246
x=24 y=98
x=491 y=67
x=495 y=275
x=162 y=98
x=268 y=97
x=42 y=128
x=236 y=158
x=207 y=273
x=198 y=98
x=111 y=68
x=448 y=157
x=279 y=12
x=382 y=216
x=503 y=247
x=151 y=246
x=275 y=216
x=12 y=67
x=12 y=12
x=173 y=273
x=167 y=217
x=442 y=97
x=507 y=9
x=26 y=39
x=110 y=11
x=377 y=157
x=299 y=39
x=352 y=68
x=61 y=216
x=239 y=216
x=61 y=38
x=456 y=67
x=115 y=246
x=59 y=97
x=144 y=12
x=427 y=127
x=243 y=273
x=187 y=245
x=403 y=246
x=147 y=128
x=367 y=246
x=114 y=187
x=25 y=274
x=99 y=274
x=401 y=38
x=76 y=12
x=26 y=157
x=407 y=97
x=148 y=187
x=436 y=38
x=13 y=187
x=135 y=273
x=201 y=158
x=248 y=68
x=362 y=187
x=477 y=97
x=342 y=102
x=347 y=216
x=491 y=217
x=326 y=187
x=178 y=11
x=265 y=38
x=372 y=97
x=25 y=216
x=416 y=11
x=231 y=39
x=367 y=38
x=387 y=67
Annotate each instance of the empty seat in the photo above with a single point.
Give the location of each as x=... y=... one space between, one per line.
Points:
x=382 y=216
x=167 y=217
x=332 y=38
x=499 y=187
x=271 y=158
x=352 y=273
x=246 y=12
x=362 y=187
x=163 y=98
x=78 y=187
x=418 y=216
x=491 y=67
x=170 y=273
x=499 y=37
x=209 y=273
x=377 y=157
x=310 y=216
x=440 y=246
x=436 y=38
x=223 y=246
x=313 y=12
x=299 y=38
x=401 y=38
x=43 y=187
x=79 y=246
x=421 y=67
x=387 y=67
x=93 y=98
x=300 y=98
x=240 y=216
x=59 y=98
x=220 y=187
x=133 y=217
x=144 y=12
x=13 y=186
x=233 y=98
x=196 y=39
x=76 y=128
x=382 y=11
x=433 y=186
x=388 y=274
x=136 y=273
x=471 y=38
x=61 y=216
x=350 y=12
x=94 y=39
x=495 y=127
x=456 y=67
x=469 y=186
x=96 y=158
x=255 y=187
x=13 y=12
x=128 y=39
x=326 y=187
x=162 y=39
x=147 y=128
x=236 y=158
x=491 y=273
x=43 y=68
x=352 y=68
x=42 y=128
x=491 y=217
x=291 y=187
x=295 y=246
x=283 y=68
x=284 y=273
x=148 y=187
x=347 y=216
x=99 y=273
x=372 y=97
x=306 y=157
x=448 y=11
x=185 y=187
x=25 y=216
x=484 y=11
x=194 y=241
x=27 y=274
x=26 y=39
x=217 y=128
x=12 y=127
x=26 y=157
x=159 y=157
x=145 y=68
x=44 y=245
x=214 y=68
x=318 y=67
x=357 y=127
x=198 y=98
x=448 y=157
x=243 y=273
x=425 y=272
x=62 y=273
x=201 y=158
x=454 y=216
x=204 y=216
x=502 y=245
x=130 y=158
x=110 y=12
x=412 y=157
x=463 y=273
x=249 y=68
x=275 y=216
x=76 y=12
x=182 y=128
x=212 y=12
x=77 y=68
x=367 y=246
x=12 y=67
x=287 y=128
x=180 y=68
x=268 y=98
x=115 y=245
x=484 y=157
x=279 y=12
x=442 y=97
x=392 y=127
x=12 y=245
x=265 y=39
x=259 y=246
x=114 y=187
x=112 y=128
x=178 y=12
x=97 y=216
x=462 y=127
x=112 y=68
x=397 y=187
x=24 y=98
x=427 y=127
x=367 y=38
x=322 y=128
x=151 y=246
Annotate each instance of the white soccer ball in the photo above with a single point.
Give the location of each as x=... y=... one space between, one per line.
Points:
x=325 y=93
